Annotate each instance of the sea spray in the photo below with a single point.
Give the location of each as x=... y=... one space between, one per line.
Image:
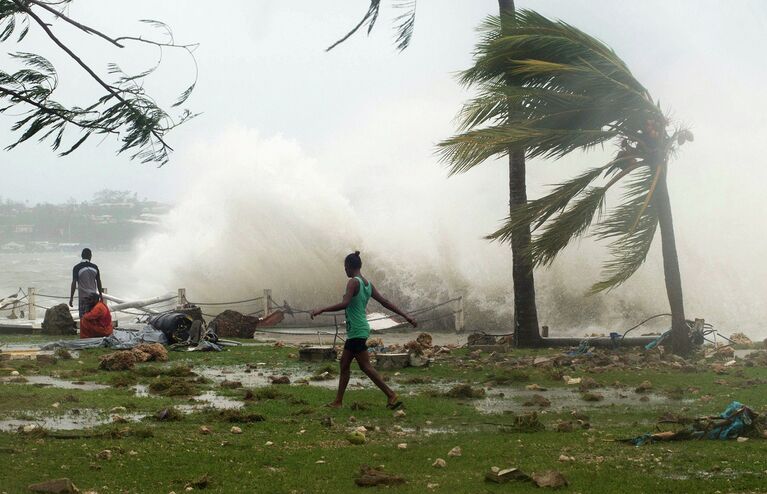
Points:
x=257 y=212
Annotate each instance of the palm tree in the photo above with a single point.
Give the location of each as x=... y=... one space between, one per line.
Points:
x=525 y=312
x=526 y=332
x=551 y=89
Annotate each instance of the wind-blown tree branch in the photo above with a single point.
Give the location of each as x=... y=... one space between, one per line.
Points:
x=551 y=89
x=404 y=23
x=124 y=109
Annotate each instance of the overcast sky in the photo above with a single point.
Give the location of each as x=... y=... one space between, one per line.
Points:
x=366 y=118
x=262 y=66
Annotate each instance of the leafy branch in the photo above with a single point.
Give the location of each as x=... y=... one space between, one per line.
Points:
x=124 y=109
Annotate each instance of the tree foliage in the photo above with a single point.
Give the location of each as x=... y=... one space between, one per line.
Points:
x=124 y=109
x=403 y=23
x=549 y=88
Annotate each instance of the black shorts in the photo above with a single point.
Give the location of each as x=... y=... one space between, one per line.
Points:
x=356 y=345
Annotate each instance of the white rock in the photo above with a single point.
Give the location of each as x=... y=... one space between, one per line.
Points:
x=439 y=463
x=402 y=446
x=361 y=429
x=455 y=451
x=235 y=430
x=268 y=443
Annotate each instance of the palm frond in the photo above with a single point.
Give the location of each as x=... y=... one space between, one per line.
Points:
x=465 y=151
x=568 y=226
x=405 y=23
x=631 y=226
x=537 y=212
x=369 y=18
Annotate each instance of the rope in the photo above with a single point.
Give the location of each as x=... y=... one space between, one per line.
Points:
x=646 y=320
x=288 y=308
x=58 y=297
x=228 y=303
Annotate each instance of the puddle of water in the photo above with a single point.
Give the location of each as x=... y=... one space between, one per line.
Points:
x=71 y=420
x=57 y=383
x=254 y=378
x=209 y=399
x=566 y=399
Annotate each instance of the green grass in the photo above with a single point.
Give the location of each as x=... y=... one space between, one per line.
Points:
x=159 y=457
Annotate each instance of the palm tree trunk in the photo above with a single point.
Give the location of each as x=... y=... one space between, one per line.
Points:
x=680 y=334
x=526 y=332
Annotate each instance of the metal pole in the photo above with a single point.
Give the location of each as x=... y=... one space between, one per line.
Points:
x=335 y=323
x=31 y=315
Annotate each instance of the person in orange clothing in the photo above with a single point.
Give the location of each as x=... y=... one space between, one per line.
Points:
x=97 y=322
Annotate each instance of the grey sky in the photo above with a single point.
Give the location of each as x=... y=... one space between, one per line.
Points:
x=262 y=65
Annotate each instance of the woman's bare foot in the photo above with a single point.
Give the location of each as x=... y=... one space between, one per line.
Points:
x=393 y=403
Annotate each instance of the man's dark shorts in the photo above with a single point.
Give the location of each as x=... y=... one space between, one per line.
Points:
x=356 y=345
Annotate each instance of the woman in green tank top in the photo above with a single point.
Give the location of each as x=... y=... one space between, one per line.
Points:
x=358 y=292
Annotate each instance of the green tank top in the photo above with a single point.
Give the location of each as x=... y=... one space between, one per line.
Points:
x=357 y=325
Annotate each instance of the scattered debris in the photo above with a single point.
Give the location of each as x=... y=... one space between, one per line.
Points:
x=402 y=446
x=526 y=422
x=170 y=414
x=592 y=396
x=370 y=477
x=230 y=384
x=644 y=387
x=356 y=437
x=456 y=451
x=537 y=401
x=156 y=352
x=279 y=379
x=465 y=391
x=58 y=320
x=204 y=429
x=104 y=455
x=550 y=478
x=232 y=324
x=57 y=486
x=736 y=421
x=201 y=483
x=439 y=463
x=502 y=476
x=118 y=361
x=564 y=426
x=475 y=339
x=399 y=414
x=740 y=339
x=235 y=430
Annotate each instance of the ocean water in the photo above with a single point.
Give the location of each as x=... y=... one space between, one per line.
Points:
x=50 y=273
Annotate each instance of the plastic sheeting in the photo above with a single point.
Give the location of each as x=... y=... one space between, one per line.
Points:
x=120 y=339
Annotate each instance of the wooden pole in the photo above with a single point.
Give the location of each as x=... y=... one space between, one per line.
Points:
x=267 y=301
x=31 y=313
x=181 y=298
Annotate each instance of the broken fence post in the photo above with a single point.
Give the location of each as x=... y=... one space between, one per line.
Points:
x=181 y=298
x=459 y=318
x=31 y=314
x=267 y=300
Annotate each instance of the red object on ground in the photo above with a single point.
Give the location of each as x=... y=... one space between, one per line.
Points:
x=97 y=322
